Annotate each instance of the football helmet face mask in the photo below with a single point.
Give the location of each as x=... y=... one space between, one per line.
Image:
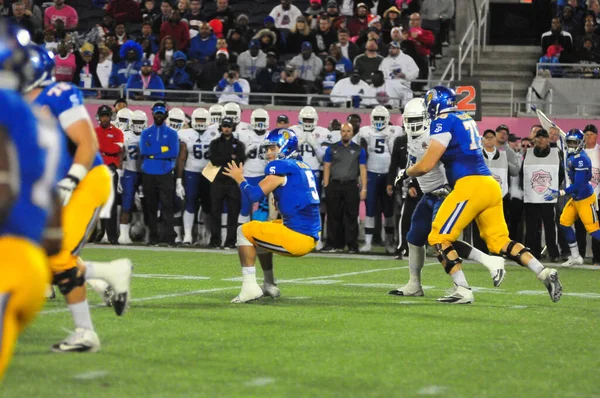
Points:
x=176 y=119
x=380 y=118
x=200 y=119
x=575 y=141
x=416 y=119
x=139 y=122
x=283 y=141
x=308 y=118
x=234 y=111
x=216 y=114
x=123 y=121
x=260 y=120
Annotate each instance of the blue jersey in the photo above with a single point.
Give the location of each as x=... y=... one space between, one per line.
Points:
x=297 y=199
x=579 y=169
x=463 y=156
x=65 y=102
x=37 y=146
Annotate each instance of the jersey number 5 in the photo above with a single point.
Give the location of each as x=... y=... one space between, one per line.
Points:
x=471 y=127
x=312 y=184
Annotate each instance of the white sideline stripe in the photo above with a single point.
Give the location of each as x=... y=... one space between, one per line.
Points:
x=351 y=273
x=91 y=375
x=165 y=276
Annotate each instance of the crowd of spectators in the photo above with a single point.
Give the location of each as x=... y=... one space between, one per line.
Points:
x=150 y=45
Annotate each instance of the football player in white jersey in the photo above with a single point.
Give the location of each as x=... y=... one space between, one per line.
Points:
x=379 y=138
x=176 y=119
x=435 y=188
x=123 y=119
x=254 y=168
x=234 y=111
x=193 y=157
x=130 y=180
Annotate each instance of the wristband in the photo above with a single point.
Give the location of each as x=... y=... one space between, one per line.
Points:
x=561 y=192
x=77 y=172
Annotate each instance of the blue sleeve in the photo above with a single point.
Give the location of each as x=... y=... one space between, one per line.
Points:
x=237 y=87
x=222 y=84
x=146 y=147
x=440 y=126
x=173 y=144
x=159 y=85
x=327 y=156
x=66 y=100
x=363 y=156
x=131 y=83
x=582 y=167
x=114 y=76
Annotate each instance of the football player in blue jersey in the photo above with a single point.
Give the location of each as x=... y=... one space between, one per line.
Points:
x=30 y=150
x=297 y=199
x=85 y=188
x=582 y=204
x=455 y=140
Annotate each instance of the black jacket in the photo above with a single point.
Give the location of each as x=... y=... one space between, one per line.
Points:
x=399 y=158
x=222 y=151
x=298 y=86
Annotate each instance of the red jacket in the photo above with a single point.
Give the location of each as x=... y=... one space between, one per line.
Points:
x=356 y=26
x=179 y=32
x=110 y=142
x=124 y=11
x=423 y=42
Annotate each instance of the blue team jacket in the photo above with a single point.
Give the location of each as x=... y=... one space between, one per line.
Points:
x=152 y=142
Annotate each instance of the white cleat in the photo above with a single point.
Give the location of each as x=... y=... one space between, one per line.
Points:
x=125 y=240
x=250 y=292
x=549 y=277
x=120 y=272
x=187 y=240
x=319 y=246
x=571 y=261
x=410 y=289
x=50 y=292
x=460 y=295
x=81 y=340
x=366 y=248
x=271 y=290
x=495 y=265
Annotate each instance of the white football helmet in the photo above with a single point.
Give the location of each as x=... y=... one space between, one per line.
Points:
x=139 y=122
x=176 y=119
x=380 y=118
x=259 y=120
x=123 y=121
x=308 y=118
x=234 y=111
x=216 y=114
x=416 y=119
x=200 y=119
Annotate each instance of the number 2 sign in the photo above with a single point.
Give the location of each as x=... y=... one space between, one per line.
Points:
x=468 y=98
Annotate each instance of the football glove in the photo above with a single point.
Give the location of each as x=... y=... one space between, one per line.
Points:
x=400 y=177
x=442 y=192
x=66 y=186
x=553 y=194
x=179 y=190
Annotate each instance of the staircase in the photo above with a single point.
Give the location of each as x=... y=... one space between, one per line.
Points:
x=499 y=66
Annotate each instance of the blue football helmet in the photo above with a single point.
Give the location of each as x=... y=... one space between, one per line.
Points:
x=286 y=141
x=440 y=99
x=43 y=65
x=574 y=141
x=14 y=59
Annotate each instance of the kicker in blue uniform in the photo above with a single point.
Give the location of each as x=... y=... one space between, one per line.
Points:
x=582 y=204
x=476 y=195
x=294 y=188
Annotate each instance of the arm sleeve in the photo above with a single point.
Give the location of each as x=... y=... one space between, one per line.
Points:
x=327 y=155
x=363 y=156
x=395 y=162
x=146 y=150
x=412 y=70
x=579 y=183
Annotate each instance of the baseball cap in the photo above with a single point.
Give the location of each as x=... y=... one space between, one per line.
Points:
x=332 y=4
x=542 y=133
x=395 y=44
x=489 y=131
x=503 y=127
x=306 y=46
x=271 y=54
x=592 y=128
x=159 y=107
x=146 y=62
x=254 y=44
x=315 y=1
x=374 y=29
x=179 y=55
x=356 y=72
x=362 y=5
x=120 y=101
x=223 y=51
x=301 y=18
x=283 y=119
x=104 y=110
x=512 y=138
x=227 y=122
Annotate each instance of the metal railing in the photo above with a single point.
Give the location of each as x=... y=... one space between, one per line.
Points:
x=449 y=69
x=562 y=109
x=586 y=71
x=482 y=15
x=463 y=52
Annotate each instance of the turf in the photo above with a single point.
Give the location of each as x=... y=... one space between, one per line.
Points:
x=333 y=333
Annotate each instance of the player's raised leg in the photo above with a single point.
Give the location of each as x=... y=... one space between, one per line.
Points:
x=567 y=218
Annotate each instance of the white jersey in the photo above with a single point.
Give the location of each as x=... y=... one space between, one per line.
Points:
x=132 y=160
x=594 y=155
x=436 y=177
x=241 y=127
x=255 y=164
x=540 y=175
x=311 y=156
x=379 y=146
x=197 y=148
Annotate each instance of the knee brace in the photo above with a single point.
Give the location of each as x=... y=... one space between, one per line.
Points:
x=443 y=257
x=514 y=257
x=68 y=280
x=241 y=238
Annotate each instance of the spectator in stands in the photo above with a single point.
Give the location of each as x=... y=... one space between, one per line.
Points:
x=368 y=62
x=433 y=12
x=183 y=6
x=59 y=29
x=214 y=71
x=130 y=64
x=579 y=9
x=203 y=45
x=110 y=41
x=285 y=14
x=194 y=15
x=65 y=64
x=347 y=8
x=268 y=40
x=63 y=12
x=280 y=35
x=569 y=23
x=151 y=84
x=589 y=29
x=422 y=40
x=391 y=19
x=328 y=77
x=556 y=35
x=163 y=61
x=165 y=12
x=147 y=34
x=267 y=77
x=372 y=33
x=588 y=53
x=552 y=56
x=387 y=93
x=324 y=37
x=247 y=32
x=299 y=33
x=399 y=70
x=349 y=49
x=342 y=64
x=594 y=5
x=337 y=20
x=50 y=42
x=236 y=43
x=349 y=91
x=86 y=61
x=149 y=11
x=225 y=14
x=19 y=18
x=290 y=83
x=35 y=14
x=378 y=7
x=232 y=87
x=217 y=28
x=121 y=33
x=124 y=11
x=180 y=79
x=307 y=64
x=360 y=21
x=177 y=29
x=251 y=60
x=312 y=14
x=104 y=67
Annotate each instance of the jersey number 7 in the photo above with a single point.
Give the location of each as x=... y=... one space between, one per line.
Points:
x=471 y=127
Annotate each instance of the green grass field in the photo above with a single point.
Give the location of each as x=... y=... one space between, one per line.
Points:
x=334 y=333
